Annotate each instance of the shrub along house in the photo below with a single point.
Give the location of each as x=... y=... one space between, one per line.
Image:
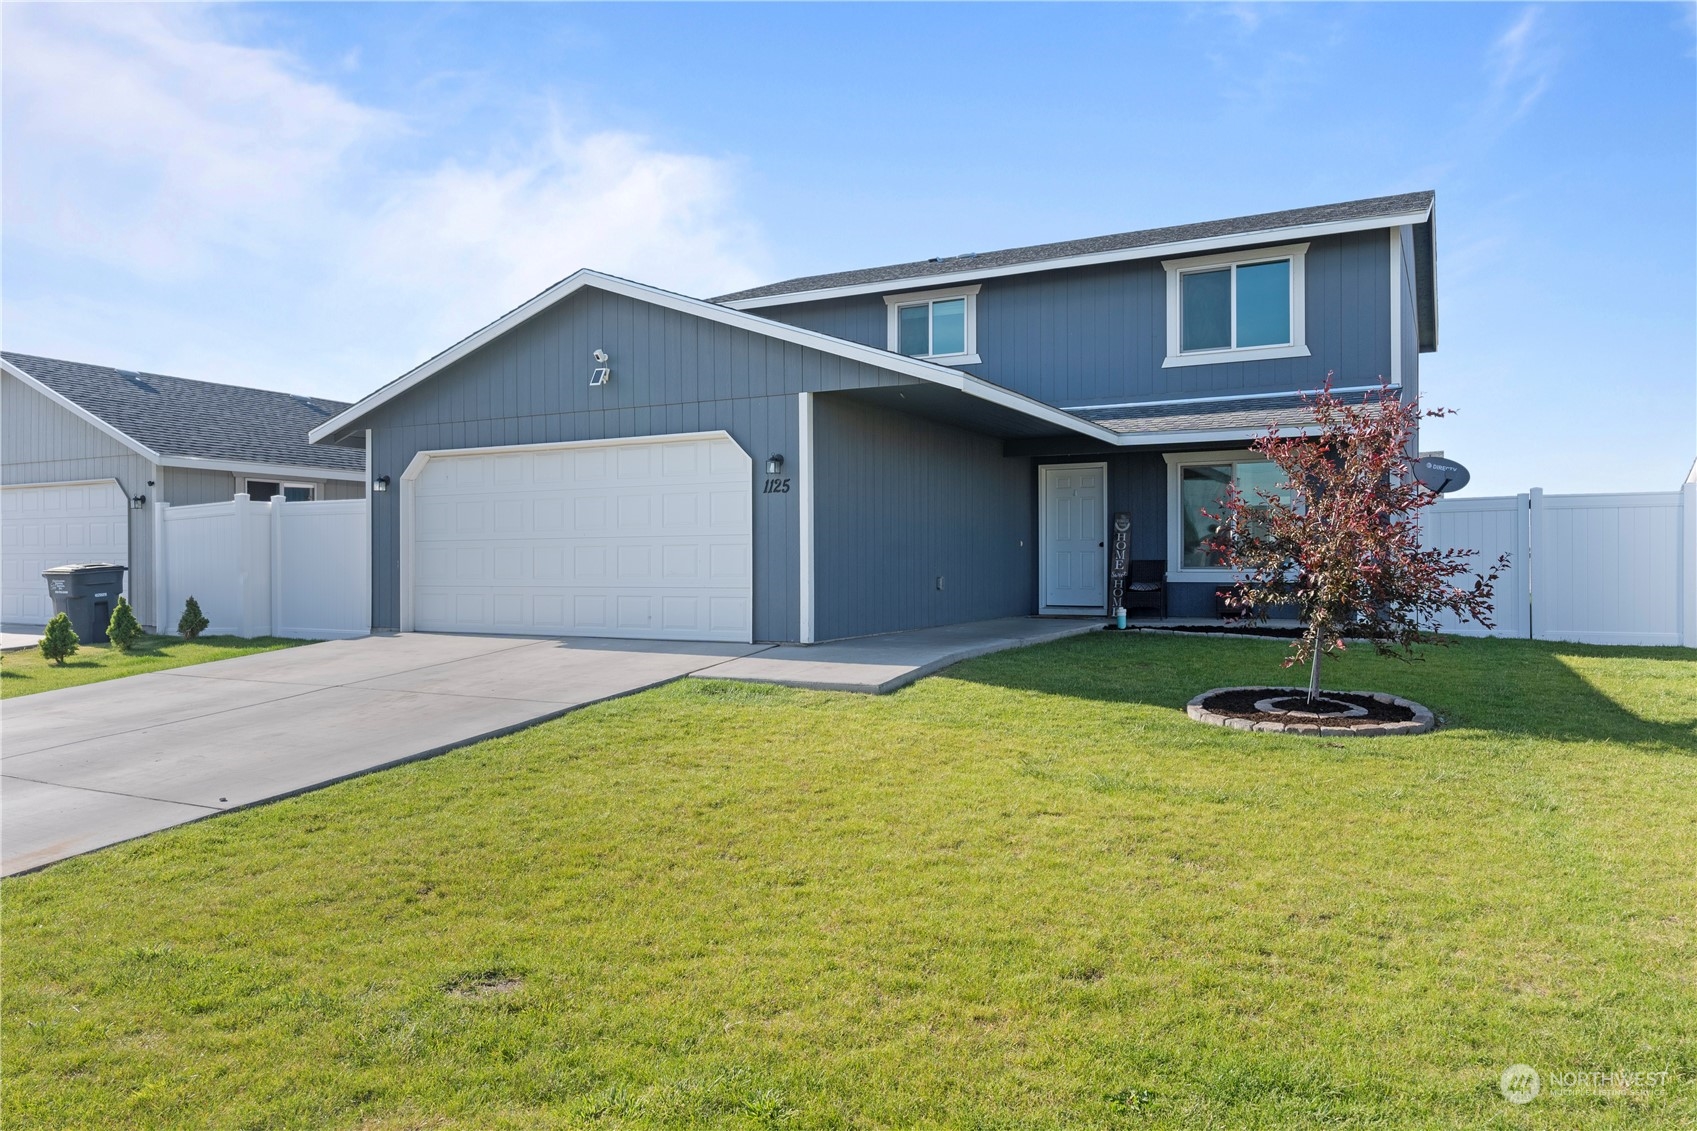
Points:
x=89 y=452
x=904 y=446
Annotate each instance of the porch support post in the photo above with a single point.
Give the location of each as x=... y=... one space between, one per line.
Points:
x=804 y=475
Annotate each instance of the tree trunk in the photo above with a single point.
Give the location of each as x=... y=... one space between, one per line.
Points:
x=1314 y=670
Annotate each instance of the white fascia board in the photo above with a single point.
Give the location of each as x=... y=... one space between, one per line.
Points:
x=81 y=413
x=1153 y=251
x=1223 y=436
x=260 y=470
x=1223 y=397
x=713 y=312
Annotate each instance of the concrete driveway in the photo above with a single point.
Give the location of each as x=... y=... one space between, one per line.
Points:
x=91 y=766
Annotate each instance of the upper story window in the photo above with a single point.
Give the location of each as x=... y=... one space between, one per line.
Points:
x=935 y=325
x=1239 y=306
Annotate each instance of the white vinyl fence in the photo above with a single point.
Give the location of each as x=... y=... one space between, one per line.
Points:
x=267 y=568
x=1595 y=569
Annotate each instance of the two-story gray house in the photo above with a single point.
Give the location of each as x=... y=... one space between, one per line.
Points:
x=897 y=447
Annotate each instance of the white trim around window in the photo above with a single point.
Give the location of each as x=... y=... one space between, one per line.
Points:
x=894 y=303
x=1176 y=462
x=1176 y=269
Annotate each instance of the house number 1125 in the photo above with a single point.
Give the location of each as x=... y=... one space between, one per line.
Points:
x=775 y=487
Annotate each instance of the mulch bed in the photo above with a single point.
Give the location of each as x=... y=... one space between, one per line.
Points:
x=1370 y=713
x=1240 y=704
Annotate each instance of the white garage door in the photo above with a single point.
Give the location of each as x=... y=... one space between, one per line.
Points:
x=639 y=538
x=56 y=524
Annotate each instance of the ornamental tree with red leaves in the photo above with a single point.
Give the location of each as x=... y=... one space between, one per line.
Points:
x=1340 y=539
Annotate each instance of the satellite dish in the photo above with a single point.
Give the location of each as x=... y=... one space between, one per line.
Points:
x=1439 y=475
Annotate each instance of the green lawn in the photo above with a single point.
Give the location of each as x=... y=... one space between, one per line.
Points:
x=1028 y=893
x=25 y=671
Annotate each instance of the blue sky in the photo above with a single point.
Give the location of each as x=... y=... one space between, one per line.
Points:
x=315 y=197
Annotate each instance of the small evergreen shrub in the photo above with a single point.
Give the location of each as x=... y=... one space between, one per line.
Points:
x=123 y=628
x=193 y=622
x=59 y=640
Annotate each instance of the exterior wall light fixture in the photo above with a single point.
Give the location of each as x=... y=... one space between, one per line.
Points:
x=381 y=483
x=774 y=465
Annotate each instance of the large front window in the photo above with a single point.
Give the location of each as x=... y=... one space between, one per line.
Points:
x=1201 y=488
x=1236 y=307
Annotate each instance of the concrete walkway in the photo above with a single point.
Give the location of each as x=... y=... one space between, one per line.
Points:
x=85 y=767
x=876 y=664
x=12 y=638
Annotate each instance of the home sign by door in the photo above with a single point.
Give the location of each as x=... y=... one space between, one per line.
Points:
x=1119 y=558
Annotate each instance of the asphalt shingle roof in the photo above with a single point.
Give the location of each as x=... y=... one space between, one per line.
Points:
x=197 y=419
x=1287 y=410
x=1123 y=241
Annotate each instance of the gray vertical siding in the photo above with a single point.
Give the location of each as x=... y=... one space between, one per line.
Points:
x=672 y=372
x=341 y=489
x=1097 y=335
x=187 y=487
x=44 y=443
x=902 y=501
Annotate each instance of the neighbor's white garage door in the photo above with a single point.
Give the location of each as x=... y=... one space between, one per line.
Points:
x=640 y=538
x=56 y=524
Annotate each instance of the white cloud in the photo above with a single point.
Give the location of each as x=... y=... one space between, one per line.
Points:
x=1522 y=63
x=606 y=199
x=136 y=138
x=179 y=201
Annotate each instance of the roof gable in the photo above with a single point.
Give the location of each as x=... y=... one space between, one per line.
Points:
x=343 y=425
x=171 y=419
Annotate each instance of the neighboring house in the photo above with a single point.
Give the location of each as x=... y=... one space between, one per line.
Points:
x=89 y=452
x=913 y=445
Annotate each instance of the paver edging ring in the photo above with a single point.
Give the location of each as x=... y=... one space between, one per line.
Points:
x=1422 y=721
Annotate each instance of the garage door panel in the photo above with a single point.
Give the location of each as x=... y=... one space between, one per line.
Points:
x=724 y=613
x=647 y=538
x=548 y=610
x=56 y=524
x=512 y=563
x=723 y=461
x=589 y=611
x=509 y=610
x=589 y=465
x=549 y=514
x=511 y=516
x=550 y=563
x=635 y=563
x=635 y=461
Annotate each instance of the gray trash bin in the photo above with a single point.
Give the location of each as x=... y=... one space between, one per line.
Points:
x=87 y=594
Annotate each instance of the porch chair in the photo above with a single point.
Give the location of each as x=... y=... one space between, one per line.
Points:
x=1146 y=586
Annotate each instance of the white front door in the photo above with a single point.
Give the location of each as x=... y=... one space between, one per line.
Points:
x=1075 y=536
x=56 y=524
x=648 y=537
